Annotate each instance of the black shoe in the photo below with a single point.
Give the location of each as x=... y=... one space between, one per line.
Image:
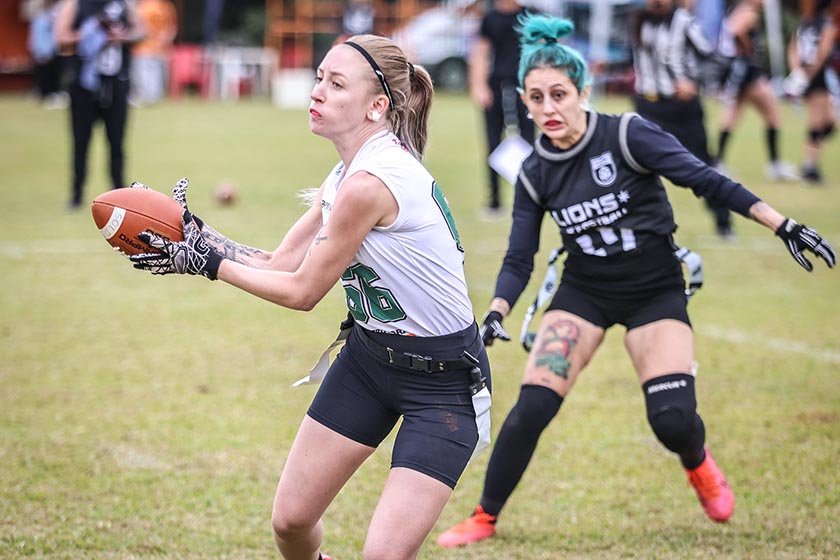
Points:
x=811 y=175
x=725 y=233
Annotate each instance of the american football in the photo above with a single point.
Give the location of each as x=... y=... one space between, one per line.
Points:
x=121 y=214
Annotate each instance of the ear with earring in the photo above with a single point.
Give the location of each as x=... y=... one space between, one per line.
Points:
x=530 y=116
x=375 y=115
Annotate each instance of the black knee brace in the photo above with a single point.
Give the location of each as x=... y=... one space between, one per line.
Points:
x=815 y=135
x=827 y=131
x=672 y=412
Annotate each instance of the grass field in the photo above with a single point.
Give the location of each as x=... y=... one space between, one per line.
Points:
x=150 y=417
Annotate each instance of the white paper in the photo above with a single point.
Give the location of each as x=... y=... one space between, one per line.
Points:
x=507 y=158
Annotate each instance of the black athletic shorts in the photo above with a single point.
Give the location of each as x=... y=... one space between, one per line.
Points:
x=741 y=74
x=817 y=84
x=631 y=289
x=363 y=396
x=606 y=312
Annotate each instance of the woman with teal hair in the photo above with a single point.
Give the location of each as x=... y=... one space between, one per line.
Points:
x=598 y=177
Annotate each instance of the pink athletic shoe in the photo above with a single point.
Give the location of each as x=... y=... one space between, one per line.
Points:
x=713 y=491
x=477 y=527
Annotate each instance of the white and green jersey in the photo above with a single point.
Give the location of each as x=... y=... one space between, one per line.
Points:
x=407 y=278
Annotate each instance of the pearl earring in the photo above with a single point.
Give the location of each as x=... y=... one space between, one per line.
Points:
x=530 y=116
x=376 y=115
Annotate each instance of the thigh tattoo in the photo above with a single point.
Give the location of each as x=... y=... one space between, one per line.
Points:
x=556 y=345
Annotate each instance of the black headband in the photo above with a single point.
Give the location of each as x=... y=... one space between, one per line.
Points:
x=376 y=69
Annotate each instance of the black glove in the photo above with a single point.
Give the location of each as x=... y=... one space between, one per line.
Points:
x=491 y=328
x=179 y=193
x=798 y=237
x=191 y=256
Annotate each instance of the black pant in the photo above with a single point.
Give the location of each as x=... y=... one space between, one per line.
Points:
x=110 y=104
x=507 y=108
x=685 y=120
x=48 y=77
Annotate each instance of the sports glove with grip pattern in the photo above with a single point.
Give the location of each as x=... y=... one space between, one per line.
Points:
x=491 y=328
x=798 y=237
x=191 y=256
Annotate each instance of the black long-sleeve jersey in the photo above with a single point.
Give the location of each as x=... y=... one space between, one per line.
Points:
x=606 y=196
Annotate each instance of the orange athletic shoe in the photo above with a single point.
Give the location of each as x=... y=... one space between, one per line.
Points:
x=714 y=492
x=477 y=527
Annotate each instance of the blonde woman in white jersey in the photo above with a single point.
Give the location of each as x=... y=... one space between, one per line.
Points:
x=381 y=225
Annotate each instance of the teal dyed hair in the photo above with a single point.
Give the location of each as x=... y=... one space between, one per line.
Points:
x=539 y=37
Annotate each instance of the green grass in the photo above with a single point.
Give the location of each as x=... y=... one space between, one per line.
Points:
x=150 y=417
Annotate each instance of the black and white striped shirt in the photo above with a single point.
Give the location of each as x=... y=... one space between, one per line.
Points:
x=668 y=49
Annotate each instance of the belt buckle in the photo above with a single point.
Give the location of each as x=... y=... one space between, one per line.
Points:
x=418 y=362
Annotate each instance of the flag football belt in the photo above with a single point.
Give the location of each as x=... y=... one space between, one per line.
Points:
x=693 y=264
x=418 y=362
x=427 y=364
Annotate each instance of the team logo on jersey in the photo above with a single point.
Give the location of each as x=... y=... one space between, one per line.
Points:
x=603 y=168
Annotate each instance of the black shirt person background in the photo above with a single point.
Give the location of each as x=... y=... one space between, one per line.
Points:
x=494 y=62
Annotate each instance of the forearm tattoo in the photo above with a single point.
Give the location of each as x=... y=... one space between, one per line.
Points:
x=230 y=249
x=556 y=345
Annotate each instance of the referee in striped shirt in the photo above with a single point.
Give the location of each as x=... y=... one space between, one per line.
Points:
x=668 y=48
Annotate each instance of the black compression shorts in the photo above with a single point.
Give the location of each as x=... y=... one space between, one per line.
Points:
x=606 y=312
x=363 y=397
x=817 y=84
x=631 y=289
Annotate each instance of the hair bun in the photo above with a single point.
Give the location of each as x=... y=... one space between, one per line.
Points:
x=539 y=29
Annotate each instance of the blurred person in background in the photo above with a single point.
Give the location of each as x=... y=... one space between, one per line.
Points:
x=809 y=54
x=358 y=18
x=151 y=54
x=101 y=33
x=834 y=14
x=43 y=47
x=381 y=226
x=668 y=50
x=744 y=81
x=600 y=177
x=492 y=82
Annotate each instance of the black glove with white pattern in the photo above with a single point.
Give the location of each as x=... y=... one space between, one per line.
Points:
x=491 y=328
x=798 y=237
x=191 y=256
x=179 y=193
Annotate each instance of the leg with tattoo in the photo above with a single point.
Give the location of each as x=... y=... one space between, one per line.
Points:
x=556 y=345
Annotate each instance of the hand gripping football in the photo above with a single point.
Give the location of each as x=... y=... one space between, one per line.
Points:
x=121 y=214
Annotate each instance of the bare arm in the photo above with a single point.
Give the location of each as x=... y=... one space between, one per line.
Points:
x=480 y=72
x=501 y=305
x=762 y=213
x=793 y=53
x=741 y=22
x=65 y=35
x=823 y=49
x=289 y=254
x=362 y=203
x=135 y=30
